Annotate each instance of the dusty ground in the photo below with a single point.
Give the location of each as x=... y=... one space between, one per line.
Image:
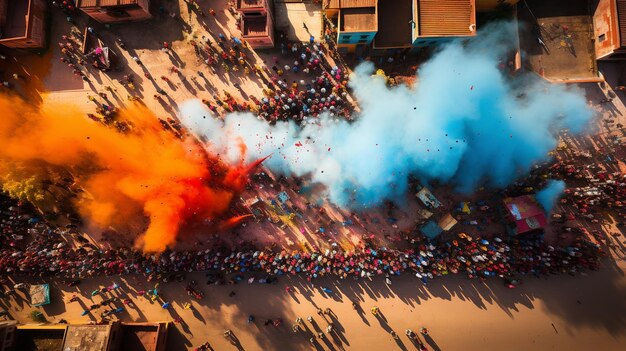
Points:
x=558 y=313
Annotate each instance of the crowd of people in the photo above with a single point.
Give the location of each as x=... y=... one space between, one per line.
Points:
x=598 y=190
x=45 y=253
x=300 y=83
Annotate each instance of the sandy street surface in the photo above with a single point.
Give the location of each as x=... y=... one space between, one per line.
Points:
x=559 y=313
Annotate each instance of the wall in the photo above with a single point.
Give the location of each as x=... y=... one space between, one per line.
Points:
x=4 y=8
x=605 y=29
x=35 y=36
x=355 y=37
x=100 y=15
x=37 y=23
x=430 y=41
x=344 y=49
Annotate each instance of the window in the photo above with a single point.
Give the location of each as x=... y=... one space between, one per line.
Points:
x=364 y=36
x=346 y=37
x=362 y=41
x=602 y=38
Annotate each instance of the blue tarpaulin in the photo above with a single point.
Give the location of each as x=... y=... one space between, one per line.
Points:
x=431 y=229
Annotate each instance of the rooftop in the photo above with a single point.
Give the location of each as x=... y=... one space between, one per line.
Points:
x=13 y=18
x=394 y=24
x=347 y=4
x=87 y=337
x=565 y=28
x=358 y=20
x=255 y=26
x=140 y=337
x=445 y=18
x=103 y=3
x=39 y=339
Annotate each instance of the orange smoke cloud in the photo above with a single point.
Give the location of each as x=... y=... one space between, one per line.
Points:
x=146 y=172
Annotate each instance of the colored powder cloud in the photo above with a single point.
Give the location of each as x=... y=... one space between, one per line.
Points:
x=146 y=173
x=465 y=122
x=549 y=195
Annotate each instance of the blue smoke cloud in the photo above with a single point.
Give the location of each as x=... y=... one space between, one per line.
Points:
x=463 y=123
x=549 y=195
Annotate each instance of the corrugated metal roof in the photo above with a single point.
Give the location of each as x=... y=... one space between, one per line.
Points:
x=358 y=20
x=96 y=3
x=621 y=18
x=445 y=17
x=347 y=4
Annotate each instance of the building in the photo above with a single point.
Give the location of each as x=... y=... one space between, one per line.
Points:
x=609 y=28
x=114 y=11
x=399 y=24
x=556 y=40
x=105 y=337
x=115 y=336
x=438 y=21
x=45 y=337
x=257 y=22
x=22 y=23
x=356 y=22
x=396 y=19
x=144 y=336
x=7 y=335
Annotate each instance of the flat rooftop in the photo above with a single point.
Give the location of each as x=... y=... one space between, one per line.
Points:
x=39 y=339
x=140 y=337
x=358 y=20
x=13 y=18
x=445 y=17
x=254 y=27
x=566 y=29
x=87 y=337
x=394 y=24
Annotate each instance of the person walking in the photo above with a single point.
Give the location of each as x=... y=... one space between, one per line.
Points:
x=375 y=310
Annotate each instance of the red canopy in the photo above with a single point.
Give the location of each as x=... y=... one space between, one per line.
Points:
x=526 y=213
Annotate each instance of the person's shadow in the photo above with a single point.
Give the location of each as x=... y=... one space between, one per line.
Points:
x=400 y=344
x=429 y=340
x=235 y=342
